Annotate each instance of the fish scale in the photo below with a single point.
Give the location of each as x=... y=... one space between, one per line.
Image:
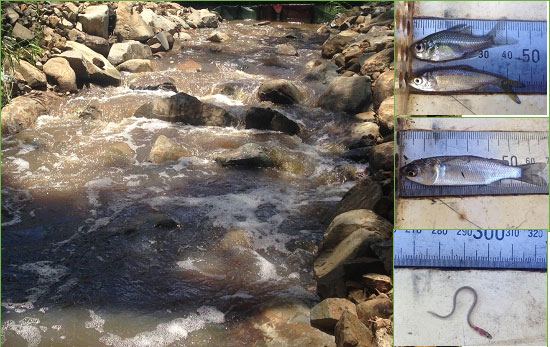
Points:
x=516 y=147
x=525 y=60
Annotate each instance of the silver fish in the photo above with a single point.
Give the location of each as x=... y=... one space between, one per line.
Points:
x=462 y=78
x=455 y=43
x=471 y=170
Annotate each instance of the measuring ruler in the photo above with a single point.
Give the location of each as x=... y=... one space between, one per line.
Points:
x=523 y=60
x=516 y=147
x=498 y=249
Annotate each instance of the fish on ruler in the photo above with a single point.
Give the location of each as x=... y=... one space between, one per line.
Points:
x=456 y=43
x=471 y=170
x=462 y=78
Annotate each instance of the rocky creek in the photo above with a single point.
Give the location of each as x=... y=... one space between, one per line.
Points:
x=186 y=204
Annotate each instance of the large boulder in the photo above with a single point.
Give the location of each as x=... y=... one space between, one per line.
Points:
x=347 y=223
x=280 y=92
x=268 y=119
x=28 y=73
x=96 y=43
x=202 y=19
x=378 y=62
x=136 y=65
x=347 y=94
x=383 y=88
x=59 y=72
x=121 y=52
x=328 y=312
x=335 y=44
x=250 y=155
x=351 y=332
x=22 y=112
x=366 y=194
x=186 y=109
x=157 y=22
x=98 y=68
x=95 y=20
x=130 y=25
x=164 y=150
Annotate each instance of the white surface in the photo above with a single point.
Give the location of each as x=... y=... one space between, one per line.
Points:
x=488 y=10
x=512 y=307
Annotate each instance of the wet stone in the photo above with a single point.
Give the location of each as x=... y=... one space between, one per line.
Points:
x=326 y=314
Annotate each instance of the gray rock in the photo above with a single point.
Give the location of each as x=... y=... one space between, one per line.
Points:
x=70 y=11
x=378 y=62
x=11 y=14
x=218 y=36
x=136 y=65
x=156 y=21
x=268 y=119
x=121 y=52
x=186 y=109
x=96 y=43
x=99 y=69
x=202 y=19
x=144 y=82
x=328 y=312
x=280 y=92
x=366 y=194
x=22 y=112
x=383 y=88
x=381 y=157
x=323 y=73
x=21 y=33
x=384 y=251
x=286 y=49
x=182 y=23
x=250 y=155
x=164 y=38
x=347 y=94
x=59 y=72
x=385 y=116
x=164 y=150
x=335 y=44
x=33 y=77
x=364 y=129
x=95 y=20
x=91 y=111
x=130 y=25
x=351 y=332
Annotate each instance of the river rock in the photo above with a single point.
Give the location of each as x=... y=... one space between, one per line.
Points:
x=383 y=332
x=235 y=238
x=250 y=155
x=381 y=157
x=280 y=92
x=59 y=72
x=351 y=332
x=377 y=282
x=335 y=44
x=96 y=43
x=364 y=129
x=146 y=82
x=136 y=65
x=202 y=19
x=182 y=36
x=121 y=52
x=268 y=119
x=95 y=20
x=21 y=33
x=11 y=14
x=328 y=312
x=98 y=68
x=90 y=112
x=347 y=223
x=381 y=307
x=189 y=66
x=286 y=49
x=378 y=36
x=179 y=21
x=378 y=62
x=157 y=22
x=323 y=73
x=384 y=250
x=22 y=112
x=347 y=94
x=130 y=25
x=385 y=116
x=383 y=88
x=218 y=36
x=165 y=39
x=70 y=11
x=186 y=109
x=164 y=150
x=284 y=322
x=28 y=73
x=366 y=194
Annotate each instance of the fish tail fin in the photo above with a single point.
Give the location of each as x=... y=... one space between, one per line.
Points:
x=535 y=173
x=507 y=85
x=500 y=38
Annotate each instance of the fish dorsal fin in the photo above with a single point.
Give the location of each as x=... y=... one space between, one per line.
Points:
x=461 y=28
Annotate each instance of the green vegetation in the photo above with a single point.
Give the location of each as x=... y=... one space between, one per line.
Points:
x=326 y=11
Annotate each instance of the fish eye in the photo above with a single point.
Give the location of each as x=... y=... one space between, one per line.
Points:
x=419 y=47
x=411 y=173
x=417 y=80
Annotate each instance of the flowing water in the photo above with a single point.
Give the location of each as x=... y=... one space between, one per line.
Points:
x=102 y=247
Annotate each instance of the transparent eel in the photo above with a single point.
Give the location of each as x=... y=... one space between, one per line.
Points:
x=476 y=328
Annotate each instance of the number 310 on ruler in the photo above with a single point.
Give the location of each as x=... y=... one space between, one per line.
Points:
x=498 y=249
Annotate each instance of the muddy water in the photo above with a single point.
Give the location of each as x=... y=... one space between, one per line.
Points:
x=102 y=247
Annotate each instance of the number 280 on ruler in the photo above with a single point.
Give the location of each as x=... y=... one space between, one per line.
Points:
x=500 y=249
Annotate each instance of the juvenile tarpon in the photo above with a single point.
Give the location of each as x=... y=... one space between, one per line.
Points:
x=471 y=170
x=455 y=43
x=462 y=78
